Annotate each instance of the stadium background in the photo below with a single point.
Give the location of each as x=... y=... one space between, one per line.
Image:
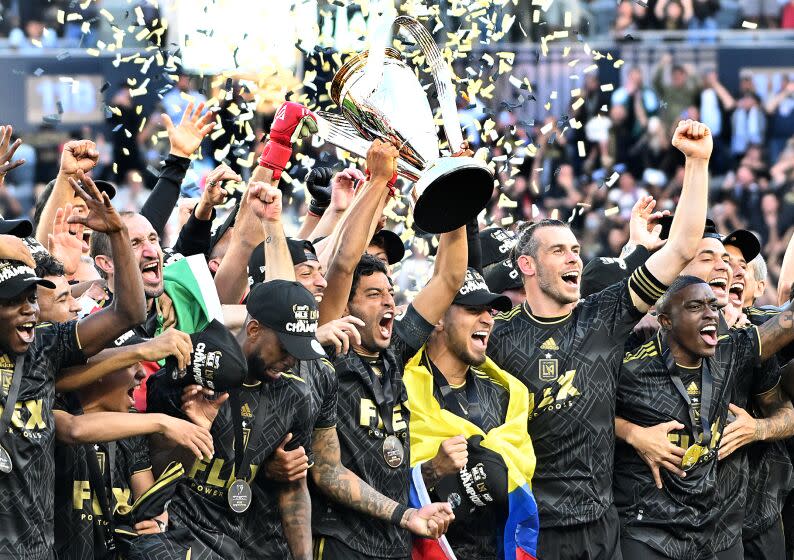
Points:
x=573 y=101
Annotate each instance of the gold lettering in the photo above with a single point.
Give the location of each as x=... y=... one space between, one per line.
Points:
x=199 y=465
x=368 y=412
x=122 y=496
x=397 y=418
x=214 y=476
x=36 y=419
x=567 y=390
x=547 y=398
x=81 y=492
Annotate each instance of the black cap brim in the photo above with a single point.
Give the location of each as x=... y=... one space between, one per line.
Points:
x=392 y=244
x=106 y=187
x=498 y=278
x=17 y=228
x=483 y=298
x=301 y=347
x=12 y=288
x=745 y=241
x=224 y=227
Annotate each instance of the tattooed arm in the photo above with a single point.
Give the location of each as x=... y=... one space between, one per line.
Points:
x=346 y=488
x=296 y=518
x=777 y=424
x=776 y=333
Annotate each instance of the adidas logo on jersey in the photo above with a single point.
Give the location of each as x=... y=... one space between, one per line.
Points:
x=549 y=345
x=245 y=410
x=693 y=389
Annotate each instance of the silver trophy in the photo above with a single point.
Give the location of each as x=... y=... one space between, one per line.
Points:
x=448 y=191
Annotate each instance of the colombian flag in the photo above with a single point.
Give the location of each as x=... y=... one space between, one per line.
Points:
x=430 y=425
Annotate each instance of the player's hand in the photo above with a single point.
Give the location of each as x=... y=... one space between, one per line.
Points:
x=7 y=150
x=65 y=243
x=642 y=230
x=189 y=435
x=381 y=161
x=343 y=188
x=264 y=201
x=656 y=450
x=172 y=342
x=102 y=216
x=214 y=194
x=199 y=405
x=452 y=456
x=287 y=466
x=740 y=432
x=430 y=521
x=14 y=249
x=78 y=155
x=340 y=333
x=693 y=139
x=187 y=136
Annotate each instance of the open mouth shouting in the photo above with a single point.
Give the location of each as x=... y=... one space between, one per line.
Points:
x=385 y=325
x=736 y=293
x=480 y=339
x=720 y=288
x=709 y=335
x=25 y=332
x=150 y=272
x=571 y=278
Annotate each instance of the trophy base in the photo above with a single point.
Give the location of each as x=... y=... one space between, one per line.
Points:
x=452 y=191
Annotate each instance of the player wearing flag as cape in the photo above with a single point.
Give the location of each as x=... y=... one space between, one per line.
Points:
x=469 y=441
x=568 y=353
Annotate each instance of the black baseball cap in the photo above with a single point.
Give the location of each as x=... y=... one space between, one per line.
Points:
x=745 y=241
x=496 y=244
x=301 y=251
x=479 y=487
x=16 y=277
x=106 y=187
x=291 y=311
x=18 y=228
x=391 y=243
x=216 y=362
x=709 y=230
x=503 y=276
x=224 y=227
x=602 y=272
x=475 y=292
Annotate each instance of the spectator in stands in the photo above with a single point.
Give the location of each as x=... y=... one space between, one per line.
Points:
x=626 y=195
x=787 y=16
x=745 y=191
x=748 y=123
x=34 y=37
x=703 y=20
x=621 y=135
x=175 y=101
x=624 y=19
x=679 y=90
x=674 y=15
x=125 y=122
x=764 y=12
x=780 y=111
x=639 y=100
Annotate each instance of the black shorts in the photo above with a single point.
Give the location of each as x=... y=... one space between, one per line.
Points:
x=597 y=540
x=327 y=548
x=769 y=545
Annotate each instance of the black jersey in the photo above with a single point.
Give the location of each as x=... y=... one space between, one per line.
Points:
x=769 y=463
x=570 y=366
x=361 y=436
x=679 y=520
x=263 y=535
x=80 y=522
x=200 y=503
x=476 y=538
x=27 y=492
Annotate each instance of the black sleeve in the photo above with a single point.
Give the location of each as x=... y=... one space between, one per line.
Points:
x=410 y=334
x=194 y=237
x=612 y=310
x=60 y=344
x=158 y=207
x=302 y=429
x=137 y=450
x=765 y=377
x=163 y=397
x=326 y=417
x=473 y=242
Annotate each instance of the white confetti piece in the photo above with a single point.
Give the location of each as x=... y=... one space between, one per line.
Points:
x=607 y=87
x=749 y=25
x=611 y=211
x=580 y=147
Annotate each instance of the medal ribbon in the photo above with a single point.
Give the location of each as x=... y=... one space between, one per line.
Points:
x=451 y=401
x=707 y=383
x=11 y=398
x=242 y=459
x=384 y=396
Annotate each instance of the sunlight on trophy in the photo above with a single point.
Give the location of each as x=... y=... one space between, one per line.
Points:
x=381 y=98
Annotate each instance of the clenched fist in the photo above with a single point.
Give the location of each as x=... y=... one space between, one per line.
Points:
x=78 y=155
x=693 y=139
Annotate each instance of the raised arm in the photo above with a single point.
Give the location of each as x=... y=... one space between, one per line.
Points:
x=7 y=149
x=776 y=333
x=78 y=156
x=353 y=232
x=694 y=140
x=129 y=306
x=448 y=275
x=786 y=279
x=342 y=192
x=185 y=139
x=278 y=262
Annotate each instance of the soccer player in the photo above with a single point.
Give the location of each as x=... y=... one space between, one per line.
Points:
x=568 y=353
x=31 y=358
x=372 y=419
x=687 y=374
x=56 y=305
x=452 y=370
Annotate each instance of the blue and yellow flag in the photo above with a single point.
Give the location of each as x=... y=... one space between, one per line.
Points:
x=431 y=425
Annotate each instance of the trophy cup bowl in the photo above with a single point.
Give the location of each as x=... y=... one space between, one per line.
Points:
x=451 y=190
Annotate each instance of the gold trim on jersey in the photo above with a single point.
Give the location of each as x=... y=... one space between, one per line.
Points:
x=544 y=320
x=647 y=350
x=292 y=376
x=508 y=315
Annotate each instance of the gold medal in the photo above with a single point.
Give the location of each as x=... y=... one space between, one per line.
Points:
x=393 y=451
x=239 y=496
x=5 y=461
x=692 y=454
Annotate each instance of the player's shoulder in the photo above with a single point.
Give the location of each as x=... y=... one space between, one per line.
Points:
x=506 y=318
x=482 y=377
x=644 y=352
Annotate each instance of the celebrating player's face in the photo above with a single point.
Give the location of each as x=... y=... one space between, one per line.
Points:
x=18 y=316
x=693 y=318
x=58 y=305
x=310 y=275
x=148 y=253
x=558 y=264
x=711 y=265
x=466 y=330
x=739 y=271
x=114 y=393
x=373 y=303
x=266 y=356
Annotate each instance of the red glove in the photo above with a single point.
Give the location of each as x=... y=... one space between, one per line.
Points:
x=292 y=122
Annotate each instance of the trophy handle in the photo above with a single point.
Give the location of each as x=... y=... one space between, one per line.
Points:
x=442 y=78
